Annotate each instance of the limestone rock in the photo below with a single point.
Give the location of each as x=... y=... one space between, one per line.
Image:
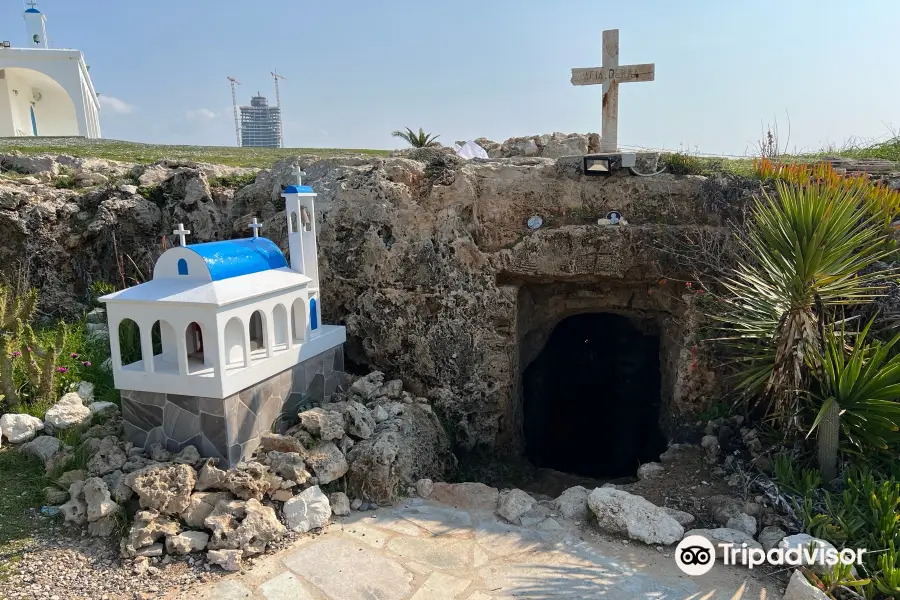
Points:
x=69 y=411
x=230 y=560
x=573 y=503
x=119 y=491
x=724 y=508
x=391 y=389
x=358 y=421
x=163 y=488
x=403 y=450
x=649 y=470
x=684 y=519
x=273 y=442
x=424 y=488
x=742 y=522
x=211 y=478
x=75 y=510
x=187 y=542
x=53 y=496
x=99 y=503
x=803 y=540
x=246 y=480
x=619 y=512
x=100 y=408
x=160 y=454
x=128 y=189
x=672 y=453
x=42 y=447
x=70 y=477
x=189 y=455
x=150 y=551
x=201 y=506
x=104 y=526
x=19 y=428
x=322 y=423
x=340 y=504
x=770 y=537
x=380 y=414
x=248 y=526
x=85 y=391
x=467 y=496
x=148 y=527
x=800 y=589
x=288 y=465
x=723 y=537
x=109 y=457
x=308 y=510
x=513 y=504
x=367 y=386
x=327 y=462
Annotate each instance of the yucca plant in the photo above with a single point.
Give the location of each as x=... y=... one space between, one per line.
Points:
x=858 y=392
x=417 y=140
x=807 y=247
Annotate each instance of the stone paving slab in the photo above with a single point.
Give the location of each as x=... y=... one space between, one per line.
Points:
x=429 y=551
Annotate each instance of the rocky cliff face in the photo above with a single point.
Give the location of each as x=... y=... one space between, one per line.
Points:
x=426 y=259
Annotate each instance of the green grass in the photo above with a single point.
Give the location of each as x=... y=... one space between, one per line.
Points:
x=22 y=483
x=134 y=152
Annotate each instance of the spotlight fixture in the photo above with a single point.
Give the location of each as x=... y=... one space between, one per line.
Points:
x=604 y=164
x=4 y=44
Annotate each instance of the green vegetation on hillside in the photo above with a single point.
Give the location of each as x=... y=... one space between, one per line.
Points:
x=134 y=152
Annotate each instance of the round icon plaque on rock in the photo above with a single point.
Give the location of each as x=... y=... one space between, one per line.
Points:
x=535 y=222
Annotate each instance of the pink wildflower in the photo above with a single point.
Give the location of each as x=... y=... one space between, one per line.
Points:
x=86 y=363
x=62 y=370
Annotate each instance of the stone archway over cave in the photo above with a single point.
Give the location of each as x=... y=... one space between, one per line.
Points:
x=591 y=397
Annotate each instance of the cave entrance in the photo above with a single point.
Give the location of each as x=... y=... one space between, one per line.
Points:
x=592 y=398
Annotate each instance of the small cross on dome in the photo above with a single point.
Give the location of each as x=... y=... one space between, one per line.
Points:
x=31 y=3
x=255 y=225
x=181 y=232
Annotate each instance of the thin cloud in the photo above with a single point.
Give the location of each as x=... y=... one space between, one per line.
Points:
x=116 y=105
x=200 y=113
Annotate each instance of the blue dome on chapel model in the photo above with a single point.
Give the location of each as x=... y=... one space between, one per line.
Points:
x=233 y=258
x=298 y=189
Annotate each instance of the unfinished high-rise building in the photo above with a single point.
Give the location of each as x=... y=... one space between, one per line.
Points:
x=260 y=124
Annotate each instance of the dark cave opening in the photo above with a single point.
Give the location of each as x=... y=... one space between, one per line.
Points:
x=592 y=398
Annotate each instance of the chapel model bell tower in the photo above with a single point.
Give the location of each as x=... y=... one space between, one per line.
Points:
x=36 y=26
x=299 y=208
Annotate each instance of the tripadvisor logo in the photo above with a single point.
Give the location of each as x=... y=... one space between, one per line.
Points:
x=696 y=555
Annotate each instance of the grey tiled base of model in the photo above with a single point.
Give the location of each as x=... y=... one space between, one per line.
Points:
x=230 y=429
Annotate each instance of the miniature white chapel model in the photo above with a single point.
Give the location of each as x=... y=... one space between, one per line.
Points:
x=229 y=314
x=45 y=91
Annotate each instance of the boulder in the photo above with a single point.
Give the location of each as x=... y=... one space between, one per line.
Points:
x=243 y=525
x=42 y=447
x=288 y=465
x=151 y=551
x=166 y=489
x=53 y=496
x=391 y=389
x=108 y=457
x=102 y=408
x=323 y=423
x=201 y=506
x=724 y=507
x=622 y=513
x=358 y=421
x=366 y=387
x=409 y=447
x=340 y=504
x=651 y=469
x=308 y=510
x=147 y=528
x=104 y=526
x=230 y=560
x=424 y=488
x=187 y=542
x=723 y=537
x=327 y=462
x=800 y=589
x=98 y=501
x=684 y=519
x=246 y=480
x=770 y=537
x=273 y=442
x=20 y=428
x=115 y=481
x=85 y=391
x=513 y=504
x=189 y=455
x=68 y=412
x=75 y=510
x=573 y=503
x=742 y=522
x=467 y=496
x=817 y=550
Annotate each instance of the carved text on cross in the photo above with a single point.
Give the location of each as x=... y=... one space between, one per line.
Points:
x=610 y=75
x=255 y=225
x=181 y=232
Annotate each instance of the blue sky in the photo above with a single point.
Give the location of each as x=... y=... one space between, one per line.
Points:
x=356 y=70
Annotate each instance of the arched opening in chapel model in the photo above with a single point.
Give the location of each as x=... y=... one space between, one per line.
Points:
x=45 y=91
x=219 y=317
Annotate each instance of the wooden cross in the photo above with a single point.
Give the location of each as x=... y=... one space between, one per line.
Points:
x=181 y=232
x=610 y=75
x=298 y=173
x=255 y=225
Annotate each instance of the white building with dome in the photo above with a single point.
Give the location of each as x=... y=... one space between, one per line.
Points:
x=45 y=91
x=220 y=317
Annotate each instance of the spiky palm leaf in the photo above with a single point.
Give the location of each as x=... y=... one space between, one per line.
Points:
x=417 y=140
x=807 y=246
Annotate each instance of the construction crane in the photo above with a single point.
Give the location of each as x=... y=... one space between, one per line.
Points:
x=276 y=77
x=237 y=124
